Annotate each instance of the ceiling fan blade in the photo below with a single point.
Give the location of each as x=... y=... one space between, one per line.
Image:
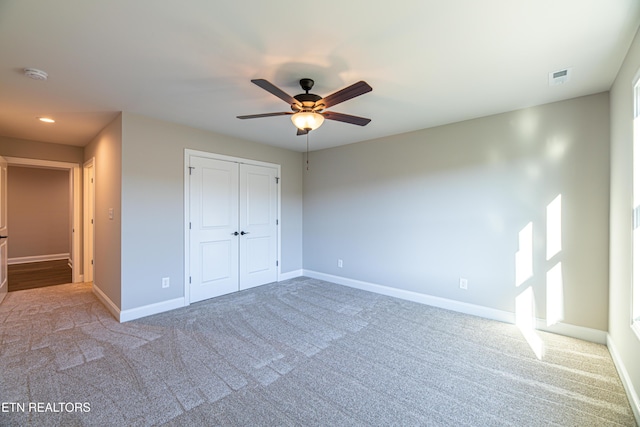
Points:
x=274 y=90
x=302 y=132
x=345 y=94
x=257 y=116
x=340 y=117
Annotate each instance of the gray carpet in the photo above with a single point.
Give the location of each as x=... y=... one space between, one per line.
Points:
x=301 y=352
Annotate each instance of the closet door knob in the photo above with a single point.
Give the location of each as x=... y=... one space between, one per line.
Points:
x=235 y=233
x=244 y=232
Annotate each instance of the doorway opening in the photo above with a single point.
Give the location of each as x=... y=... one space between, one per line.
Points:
x=47 y=265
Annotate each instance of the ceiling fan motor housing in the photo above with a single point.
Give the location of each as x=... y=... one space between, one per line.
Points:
x=308 y=100
x=306 y=84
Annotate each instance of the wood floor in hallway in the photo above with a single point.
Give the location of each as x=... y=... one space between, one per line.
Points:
x=38 y=274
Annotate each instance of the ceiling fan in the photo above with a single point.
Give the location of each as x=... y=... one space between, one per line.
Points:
x=307 y=109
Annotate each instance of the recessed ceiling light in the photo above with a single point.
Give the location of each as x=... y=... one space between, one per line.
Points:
x=46 y=119
x=34 y=73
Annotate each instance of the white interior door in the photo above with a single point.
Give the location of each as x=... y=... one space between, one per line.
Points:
x=4 y=282
x=259 y=229
x=214 y=230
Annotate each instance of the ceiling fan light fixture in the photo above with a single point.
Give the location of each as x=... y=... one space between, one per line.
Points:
x=308 y=108
x=307 y=120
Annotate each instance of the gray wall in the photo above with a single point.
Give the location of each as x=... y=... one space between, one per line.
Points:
x=13 y=147
x=418 y=211
x=621 y=336
x=38 y=211
x=106 y=148
x=153 y=203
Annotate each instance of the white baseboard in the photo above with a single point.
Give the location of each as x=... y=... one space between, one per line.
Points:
x=573 y=331
x=104 y=299
x=634 y=400
x=138 y=312
x=583 y=333
x=462 y=307
x=289 y=275
x=37 y=258
x=148 y=310
x=161 y=307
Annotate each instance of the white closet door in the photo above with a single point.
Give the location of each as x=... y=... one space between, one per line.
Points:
x=214 y=222
x=258 y=235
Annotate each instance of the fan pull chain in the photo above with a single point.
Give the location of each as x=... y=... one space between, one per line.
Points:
x=308 y=150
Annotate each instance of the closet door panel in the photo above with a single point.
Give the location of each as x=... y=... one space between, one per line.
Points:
x=213 y=222
x=258 y=216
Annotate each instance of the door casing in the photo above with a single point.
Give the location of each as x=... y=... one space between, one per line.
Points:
x=89 y=173
x=75 y=184
x=4 y=279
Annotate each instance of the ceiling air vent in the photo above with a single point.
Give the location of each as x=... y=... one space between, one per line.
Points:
x=559 y=77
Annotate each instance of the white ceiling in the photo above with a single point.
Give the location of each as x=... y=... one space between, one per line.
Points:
x=430 y=62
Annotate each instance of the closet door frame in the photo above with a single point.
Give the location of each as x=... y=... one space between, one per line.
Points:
x=188 y=153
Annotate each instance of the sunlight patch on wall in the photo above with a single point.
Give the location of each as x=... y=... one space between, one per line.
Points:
x=555 y=295
x=554 y=227
x=555 y=284
x=556 y=148
x=526 y=321
x=524 y=256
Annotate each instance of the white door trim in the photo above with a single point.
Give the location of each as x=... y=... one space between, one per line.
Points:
x=4 y=279
x=74 y=181
x=196 y=153
x=88 y=244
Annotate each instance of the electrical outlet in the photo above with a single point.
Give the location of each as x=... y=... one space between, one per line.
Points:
x=339 y=263
x=165 y=282
x=463 y=283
